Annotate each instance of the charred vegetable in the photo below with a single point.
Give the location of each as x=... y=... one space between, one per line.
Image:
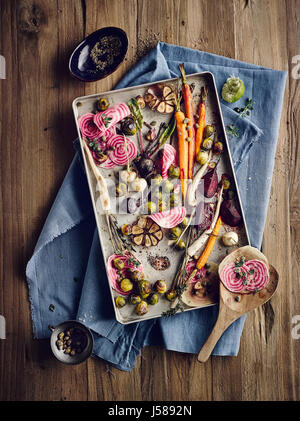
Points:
x=144 y=288
x=128 y=126
x=229 y=213
x=142 y=308
x=146 y=232
x=210 y=183
x=160 y=287
x=102 y=104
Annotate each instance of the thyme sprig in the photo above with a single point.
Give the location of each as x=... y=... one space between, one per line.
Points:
x=245 y=111
x=232 y=130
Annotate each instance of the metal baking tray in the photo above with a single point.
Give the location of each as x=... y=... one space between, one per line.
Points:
x=85 y=104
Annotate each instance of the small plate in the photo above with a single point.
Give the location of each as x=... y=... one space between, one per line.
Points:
x=99 y=55
x=77 y=358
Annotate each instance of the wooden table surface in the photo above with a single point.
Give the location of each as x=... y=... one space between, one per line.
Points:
x=37 y=129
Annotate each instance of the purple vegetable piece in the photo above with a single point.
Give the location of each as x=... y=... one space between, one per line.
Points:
x=210 y=183
x=229 y=214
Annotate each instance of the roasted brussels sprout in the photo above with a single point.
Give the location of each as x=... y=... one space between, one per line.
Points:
x=175 y=232
x=218 y=147
x=202 y=157
x=174 y=171
x=171 y=295
x=144 y=288
x=156 y=180
x=168 y=186
x=153 y=299
x=151 y=207
x=128 y=126
x=136 y=275
x=207 y=143
x=126 y=285
x=118 y=263
x=181 y=245
x=102 y=104
x=135 y=299
x=160 y=286
x=126 y=229
x=208 y=131
x=142 y=308
x=120 y=301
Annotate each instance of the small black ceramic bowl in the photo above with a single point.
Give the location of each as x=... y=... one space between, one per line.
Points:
x=99 y=55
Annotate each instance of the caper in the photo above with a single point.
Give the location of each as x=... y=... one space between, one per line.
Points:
x=126 y=285
x=160 y=286
x=208 y=131
x=175 y=232
x=174 y=171
x=153 y=299
x=120 y=302
x=142 y=308
x=118 y=263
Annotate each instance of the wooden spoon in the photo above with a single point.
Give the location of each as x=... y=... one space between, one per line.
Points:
x=232 y=306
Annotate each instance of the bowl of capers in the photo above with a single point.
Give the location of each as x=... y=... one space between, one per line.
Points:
x=71 y=342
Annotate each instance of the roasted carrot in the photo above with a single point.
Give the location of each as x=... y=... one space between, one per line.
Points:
x=210 y=244
x=201 y=119
x=189 y=113
x=183 y=147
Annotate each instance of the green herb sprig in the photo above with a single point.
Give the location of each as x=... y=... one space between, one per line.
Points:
x=232 y=131
x=245 y=111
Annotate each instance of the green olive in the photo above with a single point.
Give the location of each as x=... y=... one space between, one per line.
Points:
x=174 y=171
x=160 y=286
x=207 y=143
x=121 y=189
x=153 y=299
x=142 y=308
x=208 y=131
x=126 y=285
x=151 y=207
x=102 y=104
x=118 y=263
x=171 y=295
x=120 y=301
x=175 y=232
x=135 y=299
x=144 y=288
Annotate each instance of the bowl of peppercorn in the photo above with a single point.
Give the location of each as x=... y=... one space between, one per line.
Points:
x=99 y=55
x=71 y=342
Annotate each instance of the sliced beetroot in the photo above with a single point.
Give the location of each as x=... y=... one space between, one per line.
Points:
x=258 y=275
x=169 y=218
x=121 y=154
x=210 y=180
x=232 y=279
x=113 y=274
x=229 y=213
x=87 y=126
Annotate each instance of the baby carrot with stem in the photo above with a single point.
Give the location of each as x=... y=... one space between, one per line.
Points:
x=209 y=246
x=201 y=119
x=183 y=147
x=189 y=113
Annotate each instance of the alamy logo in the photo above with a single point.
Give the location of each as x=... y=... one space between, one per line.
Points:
x=296 y=69
x=2 y=67
x=2 y=327
x=296 y=327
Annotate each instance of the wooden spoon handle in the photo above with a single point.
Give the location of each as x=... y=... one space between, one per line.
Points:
x=221 y=325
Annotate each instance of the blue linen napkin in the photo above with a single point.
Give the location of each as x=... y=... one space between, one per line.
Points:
x=66 y=274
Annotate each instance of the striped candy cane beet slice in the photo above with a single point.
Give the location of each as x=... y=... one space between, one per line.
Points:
x=232 y=279
x=108 y=118
x=169 y=218
x=258 y=275
x=119 y=155
x=87 y=126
